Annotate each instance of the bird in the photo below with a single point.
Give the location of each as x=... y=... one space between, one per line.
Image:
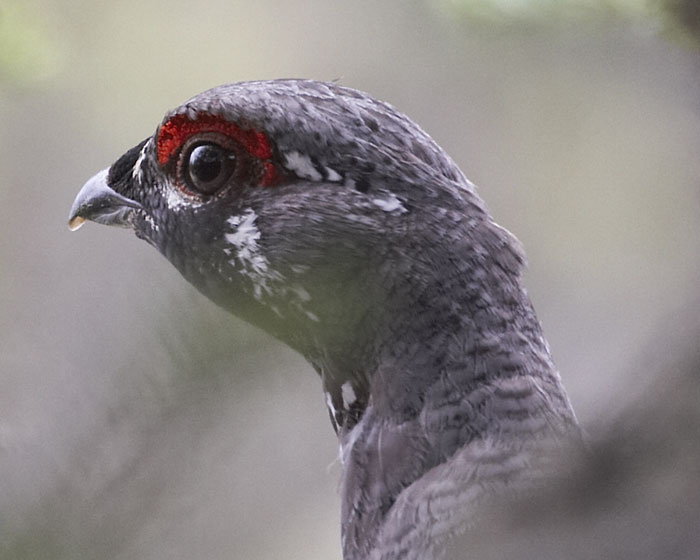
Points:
x=333 y=222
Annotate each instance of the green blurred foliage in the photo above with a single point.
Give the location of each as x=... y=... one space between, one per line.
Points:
x=28 y=52
x=677 y=18
x=545 y=12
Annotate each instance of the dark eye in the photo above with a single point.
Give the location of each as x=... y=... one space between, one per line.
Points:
x=208 y=167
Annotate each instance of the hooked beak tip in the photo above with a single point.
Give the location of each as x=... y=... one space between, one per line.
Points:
x=98 y=202
x=75 y=223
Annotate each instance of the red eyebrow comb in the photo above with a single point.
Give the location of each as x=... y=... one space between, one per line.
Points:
x=174 y=132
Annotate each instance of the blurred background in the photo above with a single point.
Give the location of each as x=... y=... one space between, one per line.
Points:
x=139 y=421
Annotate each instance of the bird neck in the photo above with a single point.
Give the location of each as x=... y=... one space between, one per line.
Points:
x=456 y=341
x=454 y=357
x=454 y=312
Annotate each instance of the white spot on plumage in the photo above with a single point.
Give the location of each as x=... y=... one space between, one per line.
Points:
x=174 y=200
x=249 y=260
x=151 y=222
x=301 y=292
x=253 y=263
x=348 y=442
x=302 y=166
x=329 y=404
x=390 y=204
x=302 y=297
x=348 y=393
x=137 y=171
x=312 y=316
x=332 y=175
x=245 y=238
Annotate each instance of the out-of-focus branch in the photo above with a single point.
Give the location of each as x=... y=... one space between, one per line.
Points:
x=684 y=17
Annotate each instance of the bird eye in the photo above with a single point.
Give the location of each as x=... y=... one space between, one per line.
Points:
x=208 y=167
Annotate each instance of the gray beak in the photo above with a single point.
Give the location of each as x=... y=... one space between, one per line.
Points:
x=98 y=202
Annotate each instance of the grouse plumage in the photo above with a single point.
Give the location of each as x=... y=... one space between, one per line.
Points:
x=333 y=222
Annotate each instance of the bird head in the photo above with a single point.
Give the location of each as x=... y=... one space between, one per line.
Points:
x=294 y=204
x=334 y=223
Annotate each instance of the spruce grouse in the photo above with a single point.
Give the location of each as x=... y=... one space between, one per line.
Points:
x=333 y=222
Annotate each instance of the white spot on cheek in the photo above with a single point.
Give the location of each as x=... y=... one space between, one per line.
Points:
x=348 y=393
x=301 y=165
x=176 y=200
x=390 y=204
x=173 y=200
x=245 y=239
x=253 y=263
x=249 y=260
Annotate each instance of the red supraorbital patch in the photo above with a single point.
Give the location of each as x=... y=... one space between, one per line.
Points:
x=175 y=132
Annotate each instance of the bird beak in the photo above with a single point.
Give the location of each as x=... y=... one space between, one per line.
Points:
x=98 y=202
